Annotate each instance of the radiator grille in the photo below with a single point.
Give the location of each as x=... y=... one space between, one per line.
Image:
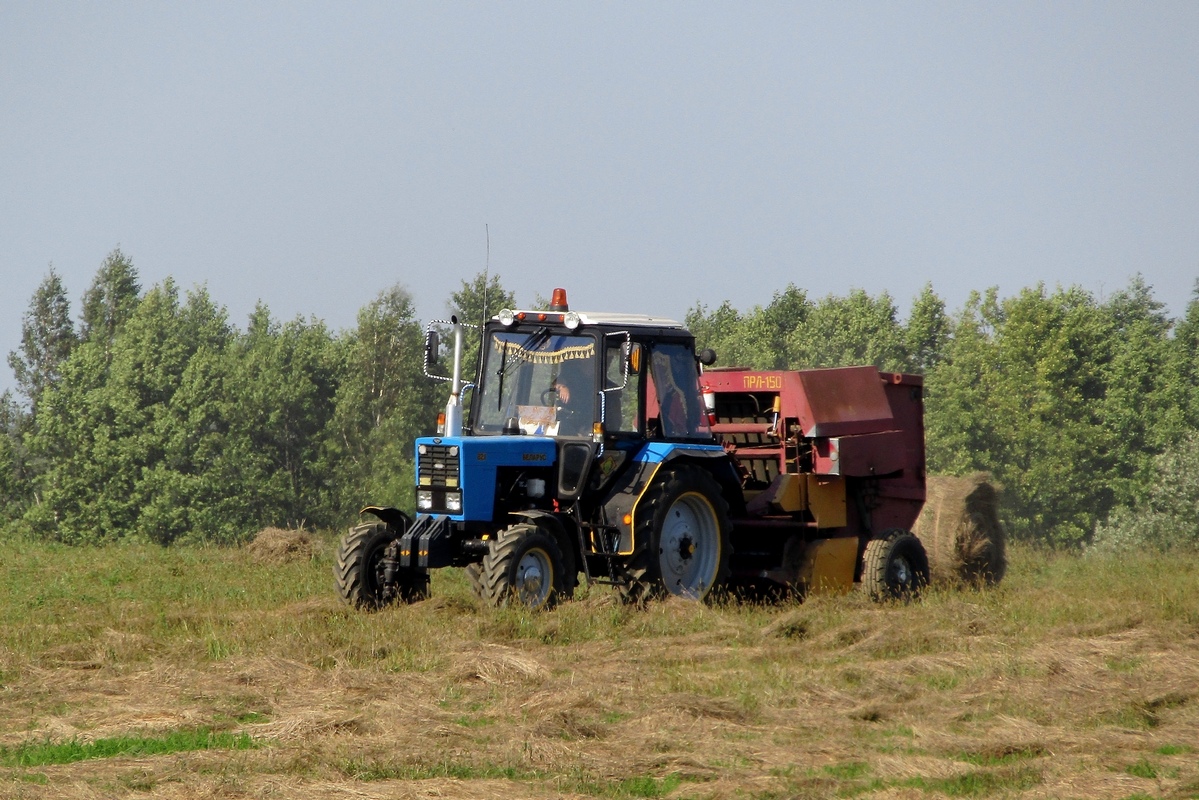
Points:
x=437 y=466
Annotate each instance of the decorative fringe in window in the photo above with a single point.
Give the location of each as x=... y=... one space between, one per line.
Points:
x=571 y=353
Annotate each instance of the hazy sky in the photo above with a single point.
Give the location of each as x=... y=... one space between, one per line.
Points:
x=647 y=156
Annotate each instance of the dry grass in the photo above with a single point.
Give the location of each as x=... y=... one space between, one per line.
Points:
x=1073 y=678
x=280 y=546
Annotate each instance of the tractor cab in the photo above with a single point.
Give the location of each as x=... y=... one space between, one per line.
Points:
x=598 y=387
x=606 y=377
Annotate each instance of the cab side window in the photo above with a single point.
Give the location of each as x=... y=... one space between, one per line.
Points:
x=675 y=382
x=621 y=404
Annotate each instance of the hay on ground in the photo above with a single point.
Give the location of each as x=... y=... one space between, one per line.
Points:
x=281 y=546
x=961 y=531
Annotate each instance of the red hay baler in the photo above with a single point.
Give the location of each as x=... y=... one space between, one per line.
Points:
x=832 y=469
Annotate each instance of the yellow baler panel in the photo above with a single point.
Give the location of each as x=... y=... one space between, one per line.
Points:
x=791 y=495
x=826 y=500
x=828 y=565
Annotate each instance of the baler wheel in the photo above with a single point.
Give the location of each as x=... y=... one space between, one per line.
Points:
x=894 y=566
x=358 y=569
x=524 y=565
x=682 y=538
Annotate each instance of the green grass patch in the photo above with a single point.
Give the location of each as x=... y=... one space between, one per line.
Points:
x=1002 y=756
x=38 y=778
x=473 y=722
x=380 y=771
x=640 y=786
x=1174 y=750
x=624 y=789
x=1142 y=769
x=979 y=784
x=40 y=754
x=1125 y=665
x=849 y=771
x=1132 y=717
x=942 y=681
x=646 y=787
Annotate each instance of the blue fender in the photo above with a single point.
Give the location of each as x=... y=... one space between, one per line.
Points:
x=622 y=503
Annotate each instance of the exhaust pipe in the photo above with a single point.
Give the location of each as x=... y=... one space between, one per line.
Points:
x=453 y=409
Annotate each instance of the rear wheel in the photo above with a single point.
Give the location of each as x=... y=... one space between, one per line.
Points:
x=682 y=538
x=359 y=569
x=524 y=565
x=894 y=566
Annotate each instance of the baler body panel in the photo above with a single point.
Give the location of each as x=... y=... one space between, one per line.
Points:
x=826 y=402
x=841 y=402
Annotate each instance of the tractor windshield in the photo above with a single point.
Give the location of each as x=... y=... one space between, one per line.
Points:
x=541 y=382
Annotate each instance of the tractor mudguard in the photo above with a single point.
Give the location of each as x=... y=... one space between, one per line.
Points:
x=392 y=516
x=627 y=492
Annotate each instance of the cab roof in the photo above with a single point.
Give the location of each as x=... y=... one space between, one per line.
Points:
x=640 y=320
x=606 y=318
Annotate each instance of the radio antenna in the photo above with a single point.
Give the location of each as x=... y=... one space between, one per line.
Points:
x=486 y=272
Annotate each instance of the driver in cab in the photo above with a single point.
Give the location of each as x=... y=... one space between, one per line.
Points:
x=573 y=411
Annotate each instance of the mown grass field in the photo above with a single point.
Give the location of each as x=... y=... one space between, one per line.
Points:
x=176 y=673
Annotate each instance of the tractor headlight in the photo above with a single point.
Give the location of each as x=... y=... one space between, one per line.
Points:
x=506 y=316
x=453 y=502
x=424 y=499
x=572 y=320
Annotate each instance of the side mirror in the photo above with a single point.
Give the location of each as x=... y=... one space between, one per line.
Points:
x=432 y=348
x=707 y=356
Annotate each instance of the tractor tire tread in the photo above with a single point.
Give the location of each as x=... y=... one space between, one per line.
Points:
x=352 y=561
x=495 y=571
x=347 y=566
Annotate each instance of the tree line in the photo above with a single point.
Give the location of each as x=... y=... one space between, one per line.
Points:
x=153 y=417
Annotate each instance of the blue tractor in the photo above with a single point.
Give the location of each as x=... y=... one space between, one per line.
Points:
x=584 y=448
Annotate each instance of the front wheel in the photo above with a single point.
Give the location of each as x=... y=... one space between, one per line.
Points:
x=524 y=565
x=682 y=538
x=894 y=566
x=474 y=576
x=359 y=570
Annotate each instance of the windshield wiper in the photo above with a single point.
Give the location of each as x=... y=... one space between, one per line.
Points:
x=532 y=341
x=499 y=395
